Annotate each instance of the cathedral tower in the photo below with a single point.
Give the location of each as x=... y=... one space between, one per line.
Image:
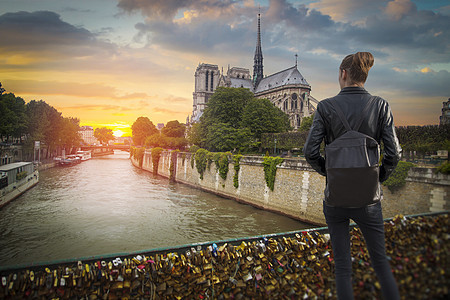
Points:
x=258 y=60
x=206 y=80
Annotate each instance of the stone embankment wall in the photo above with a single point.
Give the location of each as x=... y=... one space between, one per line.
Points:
x=298 y=190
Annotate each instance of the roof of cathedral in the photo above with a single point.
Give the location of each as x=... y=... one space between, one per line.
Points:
x=241 y=82
x=285 y=77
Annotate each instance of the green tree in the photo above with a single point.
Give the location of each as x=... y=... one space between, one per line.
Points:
x=68 y=134
x=103 y=135
x=260 y=116
x=13 y=121
x=235 y=120
x=155 y=140
x=141 y=129
x=174 y=129
x=175 y=142
x=226 y=106
x=224 y=137
x=306 y=123
x=195 y=136
x=44 y=124
x=166 y=142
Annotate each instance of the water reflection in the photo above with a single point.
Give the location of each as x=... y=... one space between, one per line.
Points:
x=105 y=205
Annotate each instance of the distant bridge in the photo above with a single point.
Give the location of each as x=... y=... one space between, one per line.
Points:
x=105 y=149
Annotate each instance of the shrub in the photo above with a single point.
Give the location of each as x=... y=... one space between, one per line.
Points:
x=201 y=158
x=223 y=164
x=270 y=169
x=237 y=167
x=139 y=155
x=444 y=168
x=285 y=140
x=210 y=158
x=193 y=148
x=156 y=154
x=397 y=178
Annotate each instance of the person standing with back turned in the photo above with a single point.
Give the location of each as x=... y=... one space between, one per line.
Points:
x=354 y=109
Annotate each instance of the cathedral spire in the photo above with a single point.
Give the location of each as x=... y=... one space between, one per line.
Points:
x=258 y=60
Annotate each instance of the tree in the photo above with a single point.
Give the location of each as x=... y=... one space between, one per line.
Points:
x=155 y=140
x=178 y=143
x=224 y=137
x=2 y=90
x=68 y=135
x=44 y=124
x=167 y=142
x=13 y=121
x=103 y=135
x=174 y=129
x=226 y=106
x=141 y=129
x=261 y=116
x=306 y=123
x=234 y=119
x=195 y=136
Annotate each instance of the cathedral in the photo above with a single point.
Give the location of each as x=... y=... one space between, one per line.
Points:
x=287 y=89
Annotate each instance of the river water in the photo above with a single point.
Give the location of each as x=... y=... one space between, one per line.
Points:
x=106 y=205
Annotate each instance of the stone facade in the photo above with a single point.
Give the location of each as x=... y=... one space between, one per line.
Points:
x=293 y=99
x=298 y=191
x=287 y=89
x=444 y=119
x=206 y=79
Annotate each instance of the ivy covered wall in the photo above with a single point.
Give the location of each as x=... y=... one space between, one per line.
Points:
x=289 y=186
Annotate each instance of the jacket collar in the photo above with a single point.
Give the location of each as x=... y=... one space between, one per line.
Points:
x=353 y=90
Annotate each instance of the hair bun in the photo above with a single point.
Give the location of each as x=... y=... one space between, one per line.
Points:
x=363 y=60
x=358 y=66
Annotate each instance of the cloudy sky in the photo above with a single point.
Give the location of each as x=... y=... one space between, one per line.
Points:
x=108 y=62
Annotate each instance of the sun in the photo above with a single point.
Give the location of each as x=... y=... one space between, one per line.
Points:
x=118 y=133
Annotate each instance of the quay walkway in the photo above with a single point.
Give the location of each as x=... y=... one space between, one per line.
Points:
x=291 y=265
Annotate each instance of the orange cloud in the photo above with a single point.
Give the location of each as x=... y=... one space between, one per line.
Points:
x=97 y=107
x=426 y=70
x=398 y=8
x=69 y=89
x=169 y=111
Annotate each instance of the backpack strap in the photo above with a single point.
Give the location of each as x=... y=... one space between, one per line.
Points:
x=361 y=119
x=341 y=116
x=364 y=112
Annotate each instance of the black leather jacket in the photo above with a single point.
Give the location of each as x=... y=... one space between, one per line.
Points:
x=378 y=124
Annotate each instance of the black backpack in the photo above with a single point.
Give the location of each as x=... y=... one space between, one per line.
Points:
x=352 y=165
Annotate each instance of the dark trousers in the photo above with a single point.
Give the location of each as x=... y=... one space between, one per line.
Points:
x=370 y=221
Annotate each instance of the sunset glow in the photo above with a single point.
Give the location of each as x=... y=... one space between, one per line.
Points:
x=110 y=62
x=118 y=133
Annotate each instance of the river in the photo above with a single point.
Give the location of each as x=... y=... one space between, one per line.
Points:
x=106 y=205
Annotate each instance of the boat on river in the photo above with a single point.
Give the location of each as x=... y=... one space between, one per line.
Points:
x=73 y=159
x=68 y=160
x=15 y=179
x=84 y=155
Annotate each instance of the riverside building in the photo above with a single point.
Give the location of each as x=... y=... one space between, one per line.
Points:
x=286 y=89
x=87 y=135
